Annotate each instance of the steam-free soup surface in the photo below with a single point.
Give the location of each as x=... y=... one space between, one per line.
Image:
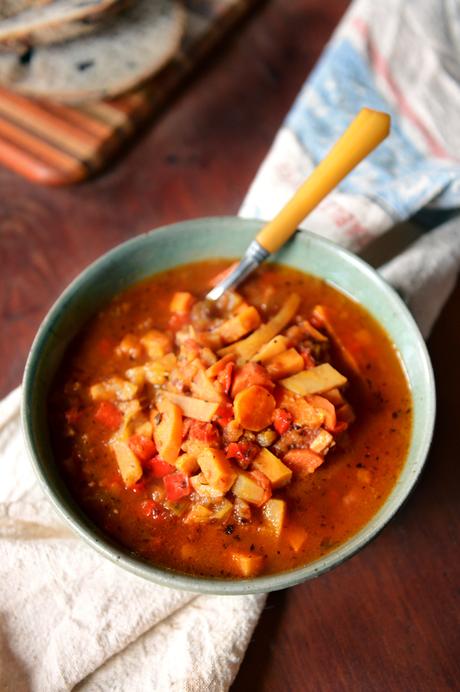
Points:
x=286 y=456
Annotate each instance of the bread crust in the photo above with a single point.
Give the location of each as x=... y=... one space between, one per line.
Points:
x=115 y=59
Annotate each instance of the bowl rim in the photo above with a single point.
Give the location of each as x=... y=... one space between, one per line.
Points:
x=210 y=585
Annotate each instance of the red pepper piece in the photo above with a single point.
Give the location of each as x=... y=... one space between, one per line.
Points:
x=177 y=485
x=204 y=432
x=160 y=468
x=282 y=420
x=225 y=414
x=225 y=377
x=243 y=452
x=142 y=446
x=108 y=415
x=138 y=486
x=178 y=320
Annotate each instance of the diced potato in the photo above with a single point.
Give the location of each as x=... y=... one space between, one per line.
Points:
x=247 y=488
x=156 y=343
x=203 y=388
x=247 y=564
x=242 y=511
x=199 y=514
x=136 y=375
x=157 y=371
x=181 y=302
x=168 y=432
x=314 y=381
x=236 y=327
x=275 y=346
x=113 y=388
x=129 y=346
x=187 y=463
x=130 y=410
x=221 y=510
x=217 y=469
x=274 y=511
x=128 y=463
x=286 y=363
x=295 y=536
x=193 y=408
x=143 y=427
x=232 y=431
x=193 y=447
x=277 y=473
x=247 y=347
x=266 y=437
x=322 y=441
x=201 y=486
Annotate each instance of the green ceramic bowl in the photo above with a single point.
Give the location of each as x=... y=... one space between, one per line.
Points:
x=194 y=240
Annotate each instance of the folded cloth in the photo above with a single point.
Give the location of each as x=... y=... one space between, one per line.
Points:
x=68 y=618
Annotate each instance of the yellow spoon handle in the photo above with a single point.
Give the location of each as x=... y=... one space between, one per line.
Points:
x=365 y=133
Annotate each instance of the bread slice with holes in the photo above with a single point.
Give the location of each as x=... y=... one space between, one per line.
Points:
x=123 y=54
x=55 y=22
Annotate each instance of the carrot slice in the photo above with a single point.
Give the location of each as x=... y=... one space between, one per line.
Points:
x=303 y=459
x=254 y=408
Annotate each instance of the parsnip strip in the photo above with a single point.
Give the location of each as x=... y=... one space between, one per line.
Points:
x=314 y=381
x=247 y=347
x=193 y=408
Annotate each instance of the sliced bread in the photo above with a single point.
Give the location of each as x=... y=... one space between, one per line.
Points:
x=58 y=21
x=126 y=52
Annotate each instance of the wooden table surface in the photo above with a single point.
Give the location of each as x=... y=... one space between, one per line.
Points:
x=388 y=618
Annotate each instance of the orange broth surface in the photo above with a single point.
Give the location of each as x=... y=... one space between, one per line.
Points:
x=330 y=504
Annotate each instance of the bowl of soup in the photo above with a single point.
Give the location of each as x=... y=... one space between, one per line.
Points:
x=231 y=447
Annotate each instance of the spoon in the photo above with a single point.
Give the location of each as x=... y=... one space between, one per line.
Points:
x=362 y=136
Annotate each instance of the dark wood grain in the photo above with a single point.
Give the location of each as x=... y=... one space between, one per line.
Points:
x=387 y=620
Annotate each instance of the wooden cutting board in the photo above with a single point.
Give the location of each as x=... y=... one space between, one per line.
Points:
x=55 y=144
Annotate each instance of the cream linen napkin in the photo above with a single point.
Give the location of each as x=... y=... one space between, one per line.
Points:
x=68 y=618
